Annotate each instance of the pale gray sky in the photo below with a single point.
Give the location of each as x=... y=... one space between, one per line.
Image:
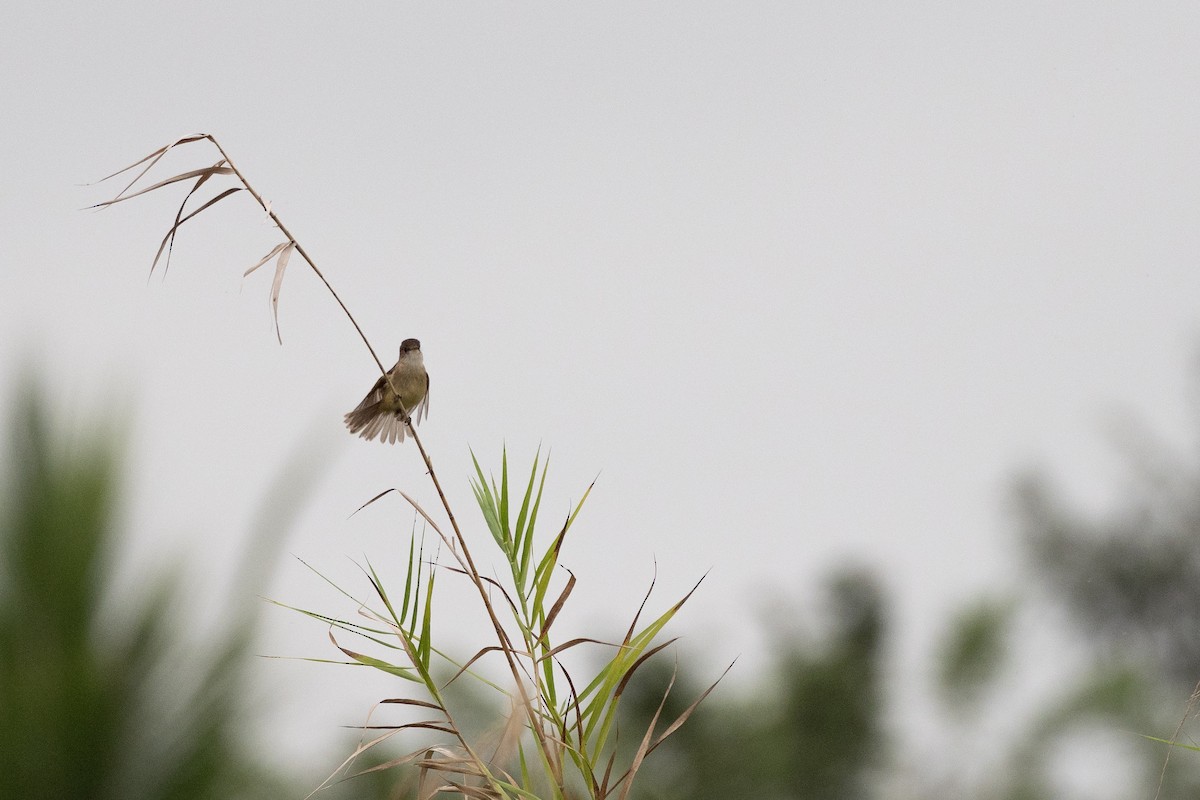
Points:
x=805 y=282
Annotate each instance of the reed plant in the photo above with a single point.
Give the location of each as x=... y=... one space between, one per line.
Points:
x=562 y=726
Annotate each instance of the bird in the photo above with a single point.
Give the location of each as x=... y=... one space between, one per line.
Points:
x=397 y=399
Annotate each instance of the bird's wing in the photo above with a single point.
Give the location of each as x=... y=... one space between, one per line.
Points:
x=423 y=407
x=374 y=396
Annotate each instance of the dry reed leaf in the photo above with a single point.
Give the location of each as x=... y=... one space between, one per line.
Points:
x=645 y=746
x=423 y=513
x=359 y=750
x=687 y=712
x=478 y=655
x=633 y=667
x=481 y=792
x=612 y=759
x=688 y=596
x=628 y=775
x=557 y=607
x=485 y=579
x=376 y=497
x=395 y=762
x=277 y=283
x=642 y=606
x=156 y=155
x=183 y=176
x=274 y=251
x=574 y=643
x=379 y=664
x=461 y=766
x=508 y=737
x=282 y=252
x=169 y=239
x=580 y=730
x=410 y=702
x=358 y=657
x=431 y=725
x=451 y=760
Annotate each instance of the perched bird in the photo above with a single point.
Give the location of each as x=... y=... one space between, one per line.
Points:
x=405 y=390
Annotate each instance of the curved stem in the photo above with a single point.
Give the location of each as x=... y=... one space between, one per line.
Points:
x=299 y=248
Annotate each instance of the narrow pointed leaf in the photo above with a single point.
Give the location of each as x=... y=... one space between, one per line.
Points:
x=417 y=507
x=644 y=747
x=620 y=690
x=383 y=666
x=687 y=712
x=274 y=252
x=168 y=241
x=526 y=531
x=277 y=283
x=557 y=607
x=183 y=176
x=153 y=158
x=407 y=701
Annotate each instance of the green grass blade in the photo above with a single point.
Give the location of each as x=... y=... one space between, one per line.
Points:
x=486 y=498
x=525 y=533
x=504 y=494
x=426 y=643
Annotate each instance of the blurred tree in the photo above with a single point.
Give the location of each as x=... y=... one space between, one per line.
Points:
x=102 y=697
x=1131 y=584
x=816 y=731
x=973 y=653
x=1131 y=579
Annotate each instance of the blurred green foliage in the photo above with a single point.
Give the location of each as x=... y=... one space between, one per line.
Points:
x=815 y=728
x=101 y=697
x=974 y=652
x=1130 y=577
x=1126 y=583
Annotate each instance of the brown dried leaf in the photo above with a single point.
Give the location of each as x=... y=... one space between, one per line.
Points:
x=575 y=643
x=642 y=607
x=178 y=214
x=612 y=758
x=152 y=158
x=478 y=655
x=169 y=239
x=633 y=667
x=480 y=792
x=491 y=582
x=395 y=762
x=409 y=702
x=557 y=607
x=580 y=731
x=431 y=725
x=277 y=283
x=359 y=750
x=462 y=766
x=644 y=747
x=274 y=251
x=376 y=497
x=183 y=176
x=421 y=511
x=628 y=775
x=687 y=712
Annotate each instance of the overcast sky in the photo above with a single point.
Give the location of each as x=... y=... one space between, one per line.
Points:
x=804 y=283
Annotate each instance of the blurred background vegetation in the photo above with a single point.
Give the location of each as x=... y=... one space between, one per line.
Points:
x=107 y=694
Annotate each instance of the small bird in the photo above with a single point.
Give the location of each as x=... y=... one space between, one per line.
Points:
x=403 y=391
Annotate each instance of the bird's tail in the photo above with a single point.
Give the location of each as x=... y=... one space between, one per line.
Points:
x=370 y=421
